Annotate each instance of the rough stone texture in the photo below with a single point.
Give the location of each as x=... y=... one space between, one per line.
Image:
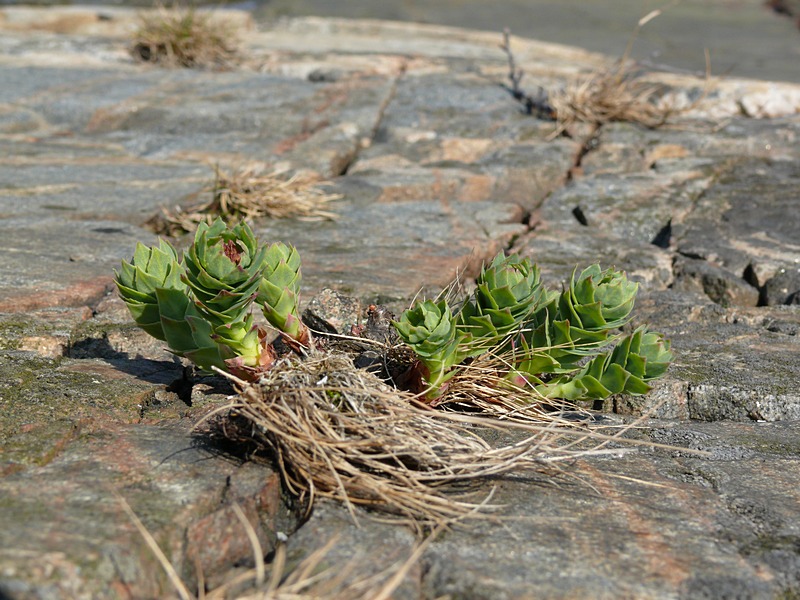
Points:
x=65 y=534
x=783 y=288
x=439 y=170
x=649 y=524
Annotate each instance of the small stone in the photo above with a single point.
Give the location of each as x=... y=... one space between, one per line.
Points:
x=45 y=345
x=721 y=286
x=332 y=312
x=784 y=288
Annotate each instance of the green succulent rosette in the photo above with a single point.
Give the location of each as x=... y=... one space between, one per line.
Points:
x=279 y=292
x=149 y=270
x=555 y=346
x=635 y=361
x=224 y=267
x=187 y=332
x=508 y=293
x=223 y=270
x=579 y=323
x=430 y=330
x=598 y=300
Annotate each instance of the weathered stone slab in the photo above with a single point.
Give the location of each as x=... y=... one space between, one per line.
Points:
x=636 y=206
x=95 y=186
x=392 y=249
x=48 y=262
x=561 y=247
x=651 y=524
x=748 y=221
x=439 y=170
x=735 y=363
x=64 y=532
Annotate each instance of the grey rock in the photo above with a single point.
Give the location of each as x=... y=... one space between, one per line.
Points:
x=65 y=533
x=747 y=219
x=559 y=248
x=439 y=171
x=719 y=285
x=50 y=261
x=784 y=288
x=734 y=363
x=652 y=523
x=333 y=312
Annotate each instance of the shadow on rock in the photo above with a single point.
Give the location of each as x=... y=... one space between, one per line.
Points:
x=170 y=373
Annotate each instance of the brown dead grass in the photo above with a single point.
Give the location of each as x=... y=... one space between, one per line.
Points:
x=617 y=93
x=247 y=193
x=310 y=580
x=340 y=432
x=185 y=37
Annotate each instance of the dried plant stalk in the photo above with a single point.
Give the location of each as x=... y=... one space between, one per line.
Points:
x=483 y=385
x=309 y=580
x=340 y=432
x=249 y=194
x=184 y=37
x=615 y=94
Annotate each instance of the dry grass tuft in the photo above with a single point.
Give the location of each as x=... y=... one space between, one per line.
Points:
x=482 y=385
x=184 y=37
x=617 y=93
x=614 y=94
x=246 y=193
x=310 y=580
x=340 y=432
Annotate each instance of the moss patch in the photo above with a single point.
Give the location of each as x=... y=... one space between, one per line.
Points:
x=44 y=403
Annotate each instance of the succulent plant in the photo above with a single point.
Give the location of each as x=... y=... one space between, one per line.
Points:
x=187 y=332
x=597 y=300
x=279 y=292
x=579 y=323
x=508 y=293
x=223 y=270
x=202 y=306
x=430 y=330
x=636 y=360
x=138 y=280
x=565 y=345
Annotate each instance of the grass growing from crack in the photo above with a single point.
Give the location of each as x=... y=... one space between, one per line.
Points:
x=373 y=446
x=615 y=93
x=184 y=37
x=248 y=193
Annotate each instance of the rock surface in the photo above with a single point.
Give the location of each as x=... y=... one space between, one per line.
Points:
x=438 y=169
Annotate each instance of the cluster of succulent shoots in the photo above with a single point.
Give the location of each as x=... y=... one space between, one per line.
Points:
x=201 y=304
x=565 y=345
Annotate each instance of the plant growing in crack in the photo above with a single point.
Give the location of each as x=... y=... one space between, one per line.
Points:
x=201 y=304
x=546 y=345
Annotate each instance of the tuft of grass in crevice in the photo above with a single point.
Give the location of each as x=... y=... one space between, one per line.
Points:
x=247 y=193
x=615 y=93
x=183 y=37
